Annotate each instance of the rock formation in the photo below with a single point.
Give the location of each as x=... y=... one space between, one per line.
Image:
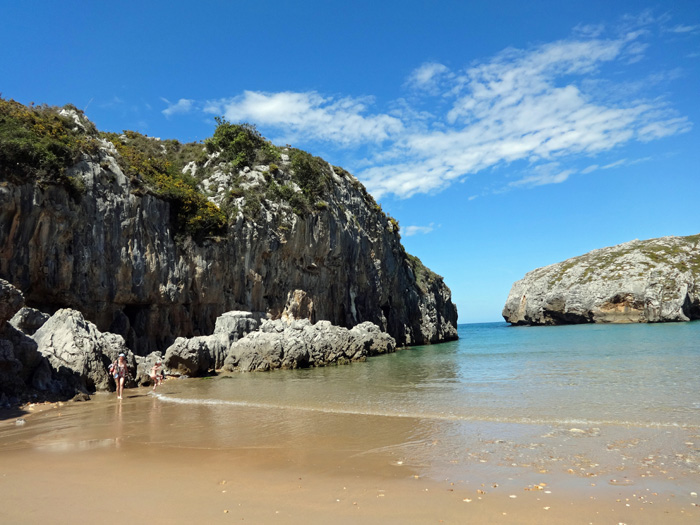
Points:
x=78 y=354
x=11 y=300
x=300 y=344
x=199 y=355
x=69 y=357
x=290 y=343
x=636 y=282
x=65 y=356
x=106 y=240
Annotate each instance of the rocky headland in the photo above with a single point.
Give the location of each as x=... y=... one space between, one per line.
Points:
x=64 y=355
x=149 y=242
x=655 y=280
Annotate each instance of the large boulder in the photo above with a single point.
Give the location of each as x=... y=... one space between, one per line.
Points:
x=197 y=355
x=25 y=351
x=143 y=367
x=79 y=354
x=19 y=357
x=29 y=320
x=236 y=324
x=299 y=306
x=201 y=355
x=300 y=344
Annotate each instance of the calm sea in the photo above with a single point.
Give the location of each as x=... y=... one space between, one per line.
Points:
x=618 y=403
x=621 y=401
x=645 y=375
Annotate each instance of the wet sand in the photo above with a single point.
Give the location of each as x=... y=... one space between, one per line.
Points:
x=146 y=459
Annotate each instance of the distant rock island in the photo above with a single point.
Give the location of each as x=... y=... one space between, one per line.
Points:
x=655 y=280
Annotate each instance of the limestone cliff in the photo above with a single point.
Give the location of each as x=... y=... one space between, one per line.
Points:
x=153 y=247
x=636 y=282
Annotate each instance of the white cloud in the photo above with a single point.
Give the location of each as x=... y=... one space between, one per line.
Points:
x=544 y=107
x=684 y=29
x=544 y=174
x=413 y=230
x=428 y=76
x=310 y=116
x=616 y=164
x=526 y=106
x=184 y=105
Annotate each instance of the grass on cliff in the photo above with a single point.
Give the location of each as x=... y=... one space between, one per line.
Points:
x=240 y=144
x=156 y=166
x=682 y=254
x=425 y=277
x=38 y=144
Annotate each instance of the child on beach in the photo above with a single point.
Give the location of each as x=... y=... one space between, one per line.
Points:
x=156 y=374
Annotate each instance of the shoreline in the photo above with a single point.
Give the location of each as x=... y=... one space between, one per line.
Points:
x=140 y=454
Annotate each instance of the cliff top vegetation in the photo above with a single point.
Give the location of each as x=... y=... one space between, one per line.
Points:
x=40 y=143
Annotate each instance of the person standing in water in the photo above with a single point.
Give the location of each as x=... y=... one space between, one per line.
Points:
x=156 y=374
x=120 y=371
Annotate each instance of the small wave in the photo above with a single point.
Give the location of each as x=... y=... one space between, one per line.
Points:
x=425 y=415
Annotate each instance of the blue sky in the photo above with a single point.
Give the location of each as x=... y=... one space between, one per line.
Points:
x=503 y=136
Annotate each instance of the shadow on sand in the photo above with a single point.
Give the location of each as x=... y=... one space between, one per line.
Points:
x=12 y=413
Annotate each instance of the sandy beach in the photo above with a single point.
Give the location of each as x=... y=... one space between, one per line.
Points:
x=146 y=459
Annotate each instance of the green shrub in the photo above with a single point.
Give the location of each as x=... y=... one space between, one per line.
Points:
x=424 y=276
x=309 y=173
x=145 y=161
x=240 y=144
x=39 y=144
x=268 y=153
x=394 y=224
x=252 y=205
x=300 y=204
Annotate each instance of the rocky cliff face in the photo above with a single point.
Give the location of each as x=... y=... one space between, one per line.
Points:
x=106 y=245
x=636 y=282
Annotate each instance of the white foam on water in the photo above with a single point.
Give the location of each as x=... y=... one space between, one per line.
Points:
x=423 y=415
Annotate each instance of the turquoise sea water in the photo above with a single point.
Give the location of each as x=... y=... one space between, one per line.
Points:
x=612 y=404
x=617 y=402
x=628 y=375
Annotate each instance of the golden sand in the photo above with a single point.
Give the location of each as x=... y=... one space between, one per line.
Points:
x=136 y=461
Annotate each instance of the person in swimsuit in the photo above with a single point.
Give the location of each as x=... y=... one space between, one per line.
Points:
x=120 y=372
x=156 y=374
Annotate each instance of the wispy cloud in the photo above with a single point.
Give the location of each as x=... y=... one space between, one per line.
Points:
x=527 y=105
x=684 y=29
x=550 y=107
x=616 y=164
x=428 y=77
x=544 y=174
x=310 y=116
x=413 y=230
x=184 y=105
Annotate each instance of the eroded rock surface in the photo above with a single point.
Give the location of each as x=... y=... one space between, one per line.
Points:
x=78 y=353
x=655 y=280
x=111 y=250
x=300 y=344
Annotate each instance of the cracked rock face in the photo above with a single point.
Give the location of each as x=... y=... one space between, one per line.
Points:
x=648 y=281
x=111 y=254
x=11 y=300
